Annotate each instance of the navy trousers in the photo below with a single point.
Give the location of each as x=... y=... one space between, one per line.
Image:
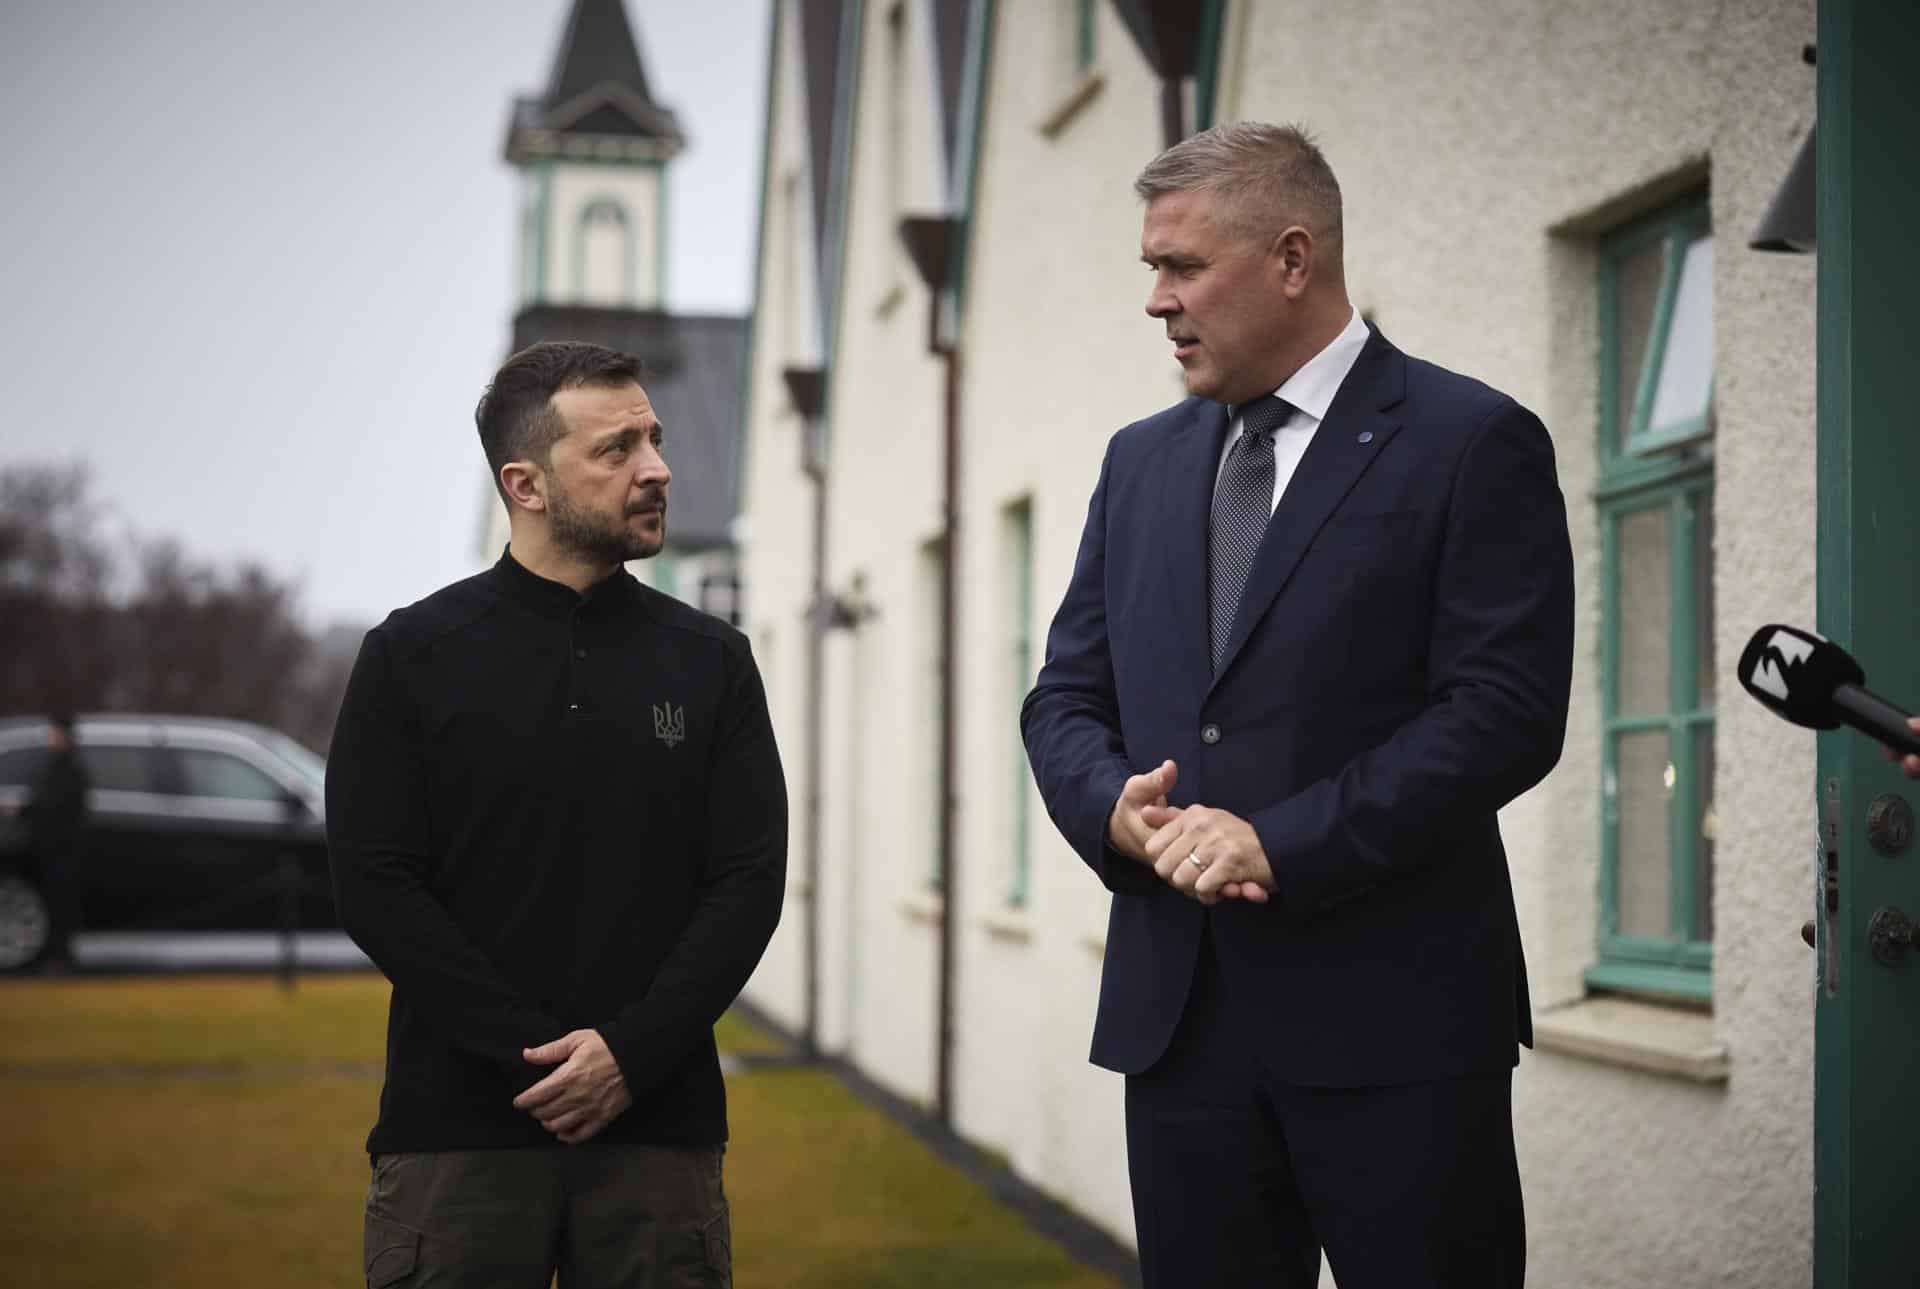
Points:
x=1241 y=1180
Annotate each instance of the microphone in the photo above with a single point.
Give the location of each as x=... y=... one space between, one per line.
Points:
x=1813 y=682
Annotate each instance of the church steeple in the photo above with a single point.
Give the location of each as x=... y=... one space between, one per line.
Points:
x=593 y=151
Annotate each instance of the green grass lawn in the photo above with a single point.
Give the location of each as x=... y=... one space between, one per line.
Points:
x=207 y=1130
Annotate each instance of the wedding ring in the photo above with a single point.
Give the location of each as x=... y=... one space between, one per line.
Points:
x=1196 y=861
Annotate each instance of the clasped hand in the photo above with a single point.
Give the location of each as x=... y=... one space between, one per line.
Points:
x=1202 y=852
x=583 y=1095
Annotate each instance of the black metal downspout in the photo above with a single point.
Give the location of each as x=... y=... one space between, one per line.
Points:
x=930 y=241
x=806 y=387
x=1180 y=39
x=949 y=722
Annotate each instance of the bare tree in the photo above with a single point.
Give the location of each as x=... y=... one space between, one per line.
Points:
x=188 y=637
x=54 y=650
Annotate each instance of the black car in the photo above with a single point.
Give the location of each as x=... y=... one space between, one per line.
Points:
x=192 y=825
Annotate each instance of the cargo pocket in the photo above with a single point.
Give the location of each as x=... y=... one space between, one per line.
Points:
x=717 y=1234
x=391 y=1251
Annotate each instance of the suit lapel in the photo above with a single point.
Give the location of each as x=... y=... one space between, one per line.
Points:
x=1188 y=466
x=1332 y=465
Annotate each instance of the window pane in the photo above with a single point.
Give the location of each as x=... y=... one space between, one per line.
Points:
x=1703 y=593
x=1646 y=610
x=19 y=766
x=121 y=769
x=217 y=774
x=312 y=768
x=1703 y=868
x=1686 y=368
x=1019 y=538
x=1645 y=849
x=1637 y=293
x=605 y=253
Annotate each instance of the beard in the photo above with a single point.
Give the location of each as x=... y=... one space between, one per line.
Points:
x=601 y=538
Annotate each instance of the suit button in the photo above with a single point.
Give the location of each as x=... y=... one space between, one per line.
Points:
x=1209 y=734
x=579 y=653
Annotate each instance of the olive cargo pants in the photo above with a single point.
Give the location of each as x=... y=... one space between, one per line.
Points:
x=601 y=1217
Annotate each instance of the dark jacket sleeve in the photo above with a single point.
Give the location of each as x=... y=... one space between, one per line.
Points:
x=1071 y=720
x=1499 y=669
x=737 y=901
x=57 y=804
x=379 y=843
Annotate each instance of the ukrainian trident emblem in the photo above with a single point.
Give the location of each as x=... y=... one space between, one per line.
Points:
x=670 y=724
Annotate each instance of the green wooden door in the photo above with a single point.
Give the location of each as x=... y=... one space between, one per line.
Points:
x=1867 y=1029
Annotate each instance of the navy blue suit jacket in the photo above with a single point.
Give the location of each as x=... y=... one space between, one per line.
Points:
x=1397 y=672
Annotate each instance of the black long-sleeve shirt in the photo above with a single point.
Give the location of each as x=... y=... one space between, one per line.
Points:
x=57 y=804
x=551 y=811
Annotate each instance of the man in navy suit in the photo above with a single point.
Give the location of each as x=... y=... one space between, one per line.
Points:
x=1318 y=632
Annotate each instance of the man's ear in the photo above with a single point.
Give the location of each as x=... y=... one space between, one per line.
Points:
x=525 y=484
x=1292 y=258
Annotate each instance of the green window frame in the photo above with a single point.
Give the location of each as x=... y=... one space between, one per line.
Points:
x=1671 y=233
x=1206 y=78
x=1019 y=529
x=1655 y=484
x=1083 y=37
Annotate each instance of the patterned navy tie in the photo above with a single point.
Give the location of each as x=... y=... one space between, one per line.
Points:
x=1242 y=505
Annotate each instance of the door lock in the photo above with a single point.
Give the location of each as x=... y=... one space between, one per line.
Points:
x=1889 y=824
x=1890 y=933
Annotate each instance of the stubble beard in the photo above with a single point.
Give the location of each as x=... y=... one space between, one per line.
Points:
x=584 y=532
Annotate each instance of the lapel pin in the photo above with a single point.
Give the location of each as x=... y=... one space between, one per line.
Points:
x=1366 y=436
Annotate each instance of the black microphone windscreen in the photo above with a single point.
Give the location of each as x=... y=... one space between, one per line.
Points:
x=1795 y=673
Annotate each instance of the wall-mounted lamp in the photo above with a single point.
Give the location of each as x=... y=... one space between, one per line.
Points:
x=1789 y=222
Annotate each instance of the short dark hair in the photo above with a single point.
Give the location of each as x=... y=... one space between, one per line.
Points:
x=516 y=417
x=62 y=721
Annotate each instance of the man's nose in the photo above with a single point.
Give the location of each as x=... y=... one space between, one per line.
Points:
x=1160 y=301
x=652 y=469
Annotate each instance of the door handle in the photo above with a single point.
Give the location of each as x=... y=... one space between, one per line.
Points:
x=1890 y=933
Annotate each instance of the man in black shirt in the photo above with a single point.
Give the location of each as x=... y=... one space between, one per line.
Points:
x=55 y=810
x=558 y=824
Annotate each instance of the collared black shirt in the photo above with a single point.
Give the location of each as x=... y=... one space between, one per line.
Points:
x=550 y=811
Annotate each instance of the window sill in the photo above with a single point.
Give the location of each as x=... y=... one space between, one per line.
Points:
x=1012 y=925
x=1084 y=91
x=1672 y=1041
x=922 y=907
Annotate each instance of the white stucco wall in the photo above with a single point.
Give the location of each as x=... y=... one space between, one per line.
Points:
x=1482 y=148
x=776 y=501
x=1059 y=354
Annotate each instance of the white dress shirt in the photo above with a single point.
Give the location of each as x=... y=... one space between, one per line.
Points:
x=1310 y=390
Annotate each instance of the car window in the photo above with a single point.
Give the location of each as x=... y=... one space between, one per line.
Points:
x=119 y=768
x=19 y=765
x=205 y=773
x=310 y=767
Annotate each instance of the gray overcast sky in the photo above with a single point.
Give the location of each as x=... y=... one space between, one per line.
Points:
x=259 y=258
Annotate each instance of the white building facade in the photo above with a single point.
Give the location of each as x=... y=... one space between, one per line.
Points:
x=1553 y=197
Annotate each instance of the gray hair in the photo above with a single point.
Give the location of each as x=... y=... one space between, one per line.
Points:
x=1264 y=177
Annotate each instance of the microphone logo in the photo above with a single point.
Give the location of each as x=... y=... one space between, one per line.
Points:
x=1787 y=649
